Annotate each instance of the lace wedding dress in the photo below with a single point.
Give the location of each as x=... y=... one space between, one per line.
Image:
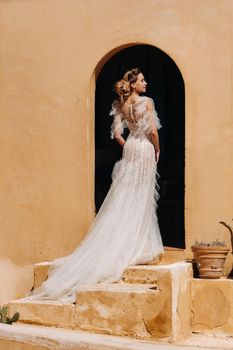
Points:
x=125 y=231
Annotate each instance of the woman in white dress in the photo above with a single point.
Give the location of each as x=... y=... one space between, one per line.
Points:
x=125 y=231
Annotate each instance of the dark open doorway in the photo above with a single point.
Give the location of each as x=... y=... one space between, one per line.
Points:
x=166 y=87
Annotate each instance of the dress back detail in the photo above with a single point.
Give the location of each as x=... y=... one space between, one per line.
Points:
x=137 y=117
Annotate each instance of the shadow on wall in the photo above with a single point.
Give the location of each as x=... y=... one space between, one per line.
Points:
x=16 y=280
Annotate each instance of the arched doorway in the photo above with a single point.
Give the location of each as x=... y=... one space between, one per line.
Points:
x=166 y=87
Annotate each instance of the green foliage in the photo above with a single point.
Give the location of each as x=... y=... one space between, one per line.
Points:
x=216 y=243
x=4 y=316
x=15 y=318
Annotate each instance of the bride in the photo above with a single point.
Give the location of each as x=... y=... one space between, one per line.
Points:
x=125 y=231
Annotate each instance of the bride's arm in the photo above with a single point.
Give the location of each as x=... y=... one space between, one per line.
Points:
x=118 y=125
x=153 y=129
x=119 y=139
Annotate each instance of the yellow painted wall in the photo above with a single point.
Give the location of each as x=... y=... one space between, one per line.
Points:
x=49 y=51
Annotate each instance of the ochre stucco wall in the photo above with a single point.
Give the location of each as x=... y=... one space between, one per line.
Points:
x=49 y=52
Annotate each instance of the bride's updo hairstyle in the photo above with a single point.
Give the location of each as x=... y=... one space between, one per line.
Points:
x=123 y=87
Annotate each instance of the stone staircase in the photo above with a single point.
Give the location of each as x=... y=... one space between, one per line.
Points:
x=152 y=306
x=151 y=302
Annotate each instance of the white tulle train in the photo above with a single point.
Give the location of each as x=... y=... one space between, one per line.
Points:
x=125 y=231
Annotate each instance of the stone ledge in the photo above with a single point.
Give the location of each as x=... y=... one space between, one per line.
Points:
x=212 y=306
x=30 y=337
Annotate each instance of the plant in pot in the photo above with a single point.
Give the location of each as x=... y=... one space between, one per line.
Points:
x=210 y=258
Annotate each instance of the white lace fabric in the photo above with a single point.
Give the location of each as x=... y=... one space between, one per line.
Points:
x=136 y=117
x=125 y=232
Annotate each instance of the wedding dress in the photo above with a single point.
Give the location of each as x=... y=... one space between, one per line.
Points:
x=125 y=231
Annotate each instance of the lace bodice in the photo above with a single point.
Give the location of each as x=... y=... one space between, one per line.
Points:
x=139 y=119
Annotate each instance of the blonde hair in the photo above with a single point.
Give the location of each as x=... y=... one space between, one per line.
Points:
x=123 y=87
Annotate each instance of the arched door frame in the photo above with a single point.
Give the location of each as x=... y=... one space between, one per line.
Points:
x=95 y=75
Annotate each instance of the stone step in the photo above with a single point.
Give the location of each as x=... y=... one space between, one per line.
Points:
x=66 y=315
x=44 y=313
x=144 y=311
x=136 y=310
x=170 y=255
x=154 y=274
x=41 y=273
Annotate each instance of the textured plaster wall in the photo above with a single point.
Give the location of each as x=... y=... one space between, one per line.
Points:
x=49 y=51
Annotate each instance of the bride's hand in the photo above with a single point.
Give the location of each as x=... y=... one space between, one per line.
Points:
x=157 y=154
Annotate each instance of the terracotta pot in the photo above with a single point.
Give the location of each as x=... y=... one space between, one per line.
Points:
x=210 y=260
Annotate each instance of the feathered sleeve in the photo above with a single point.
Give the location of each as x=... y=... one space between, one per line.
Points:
x=118 y=125
x=152 y=116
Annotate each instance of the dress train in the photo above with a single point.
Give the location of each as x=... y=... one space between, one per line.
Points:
x=125 y=231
